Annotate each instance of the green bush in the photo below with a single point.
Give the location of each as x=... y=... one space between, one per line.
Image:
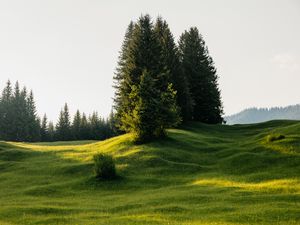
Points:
x=104 y=166
x=275 y=137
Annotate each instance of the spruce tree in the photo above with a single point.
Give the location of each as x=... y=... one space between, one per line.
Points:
x=154 y=110
x=121 y=85
x=33 y=120
x=6 y=117
x=44 y=129
x=144 y=66
x=76 y=125
x=201 y=74
x=84 y=128
x=170 y=60
x=51 y=131
x=63 y=127
x=18 y=123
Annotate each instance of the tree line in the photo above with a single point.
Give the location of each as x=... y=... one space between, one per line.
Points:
x=19 y=120
x=160 y=84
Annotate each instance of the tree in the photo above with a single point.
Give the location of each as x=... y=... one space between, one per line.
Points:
x=76 y=125
x=44 y=129
x=63 y=127
x=121 y=85
x=201 y=74
x=170 y=60
x=84 y=128
x=154 y=111
x=6 y=114
x=33 y=120
x=143 y=84
x=51 y=131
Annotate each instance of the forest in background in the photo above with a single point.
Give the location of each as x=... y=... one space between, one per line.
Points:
x=19 y=120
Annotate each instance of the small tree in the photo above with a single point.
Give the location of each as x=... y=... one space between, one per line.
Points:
x=104 y=166
x=44 y=129
x=63 y=127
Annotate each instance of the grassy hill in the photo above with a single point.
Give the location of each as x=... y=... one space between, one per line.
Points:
x=202 y=174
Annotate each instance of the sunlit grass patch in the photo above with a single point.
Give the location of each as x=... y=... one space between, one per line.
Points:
x=280 y=185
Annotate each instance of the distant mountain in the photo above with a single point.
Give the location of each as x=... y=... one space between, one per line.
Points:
x=257 y=115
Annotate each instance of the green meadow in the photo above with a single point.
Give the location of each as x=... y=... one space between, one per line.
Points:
x=201 y=174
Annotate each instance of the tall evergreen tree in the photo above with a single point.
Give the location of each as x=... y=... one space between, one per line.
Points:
x=51 y=131
x=76 y=125
x=33 y=120
x=84 y=128
x=18 y=119
x=143 y=59
x=202 y=77
x=63 y=127
x=6 y=116
x=44 y=129
x=121 y=86
x=170 y=59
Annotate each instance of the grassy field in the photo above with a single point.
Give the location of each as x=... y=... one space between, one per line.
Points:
x=206 y=175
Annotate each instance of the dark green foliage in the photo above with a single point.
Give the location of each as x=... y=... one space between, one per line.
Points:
x=63 y=127
x=275 y=137
x=33 y=120
x=156 y=81
x=51 y=131
x=44 y=129
x=104 y=166
x=18 y=119
x=84 y=128
x=143 y=83
x=76 y=125
x=170 y=60
x=154 y=111
x=199 y=69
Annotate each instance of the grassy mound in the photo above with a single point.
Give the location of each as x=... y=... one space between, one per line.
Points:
x=201 y=174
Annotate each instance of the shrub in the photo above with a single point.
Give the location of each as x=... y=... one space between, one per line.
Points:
x=104 y=166
x=275 y=137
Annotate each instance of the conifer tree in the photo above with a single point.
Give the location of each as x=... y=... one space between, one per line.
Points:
x=63 y=127
x=143 y=59
x=18 y=119
x=121 y=85
x=6 y=117
x=51 y=131
x=18 y=124
x=154 y=110
x=33 y=120
x=201 y=74
x=76 y=125
x=44 y=129
x=84 y=128
x=170 y=60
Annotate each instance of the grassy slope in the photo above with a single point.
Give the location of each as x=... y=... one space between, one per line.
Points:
x=200 y=175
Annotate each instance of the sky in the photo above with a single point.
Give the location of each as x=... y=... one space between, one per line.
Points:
x=67 y=50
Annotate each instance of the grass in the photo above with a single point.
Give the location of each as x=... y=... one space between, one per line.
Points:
x=201 y=174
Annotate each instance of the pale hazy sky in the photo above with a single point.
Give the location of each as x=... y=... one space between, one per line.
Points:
x=66 y=50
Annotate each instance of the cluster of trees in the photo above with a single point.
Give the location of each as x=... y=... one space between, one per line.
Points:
x=19 y=121
x=160 y=84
